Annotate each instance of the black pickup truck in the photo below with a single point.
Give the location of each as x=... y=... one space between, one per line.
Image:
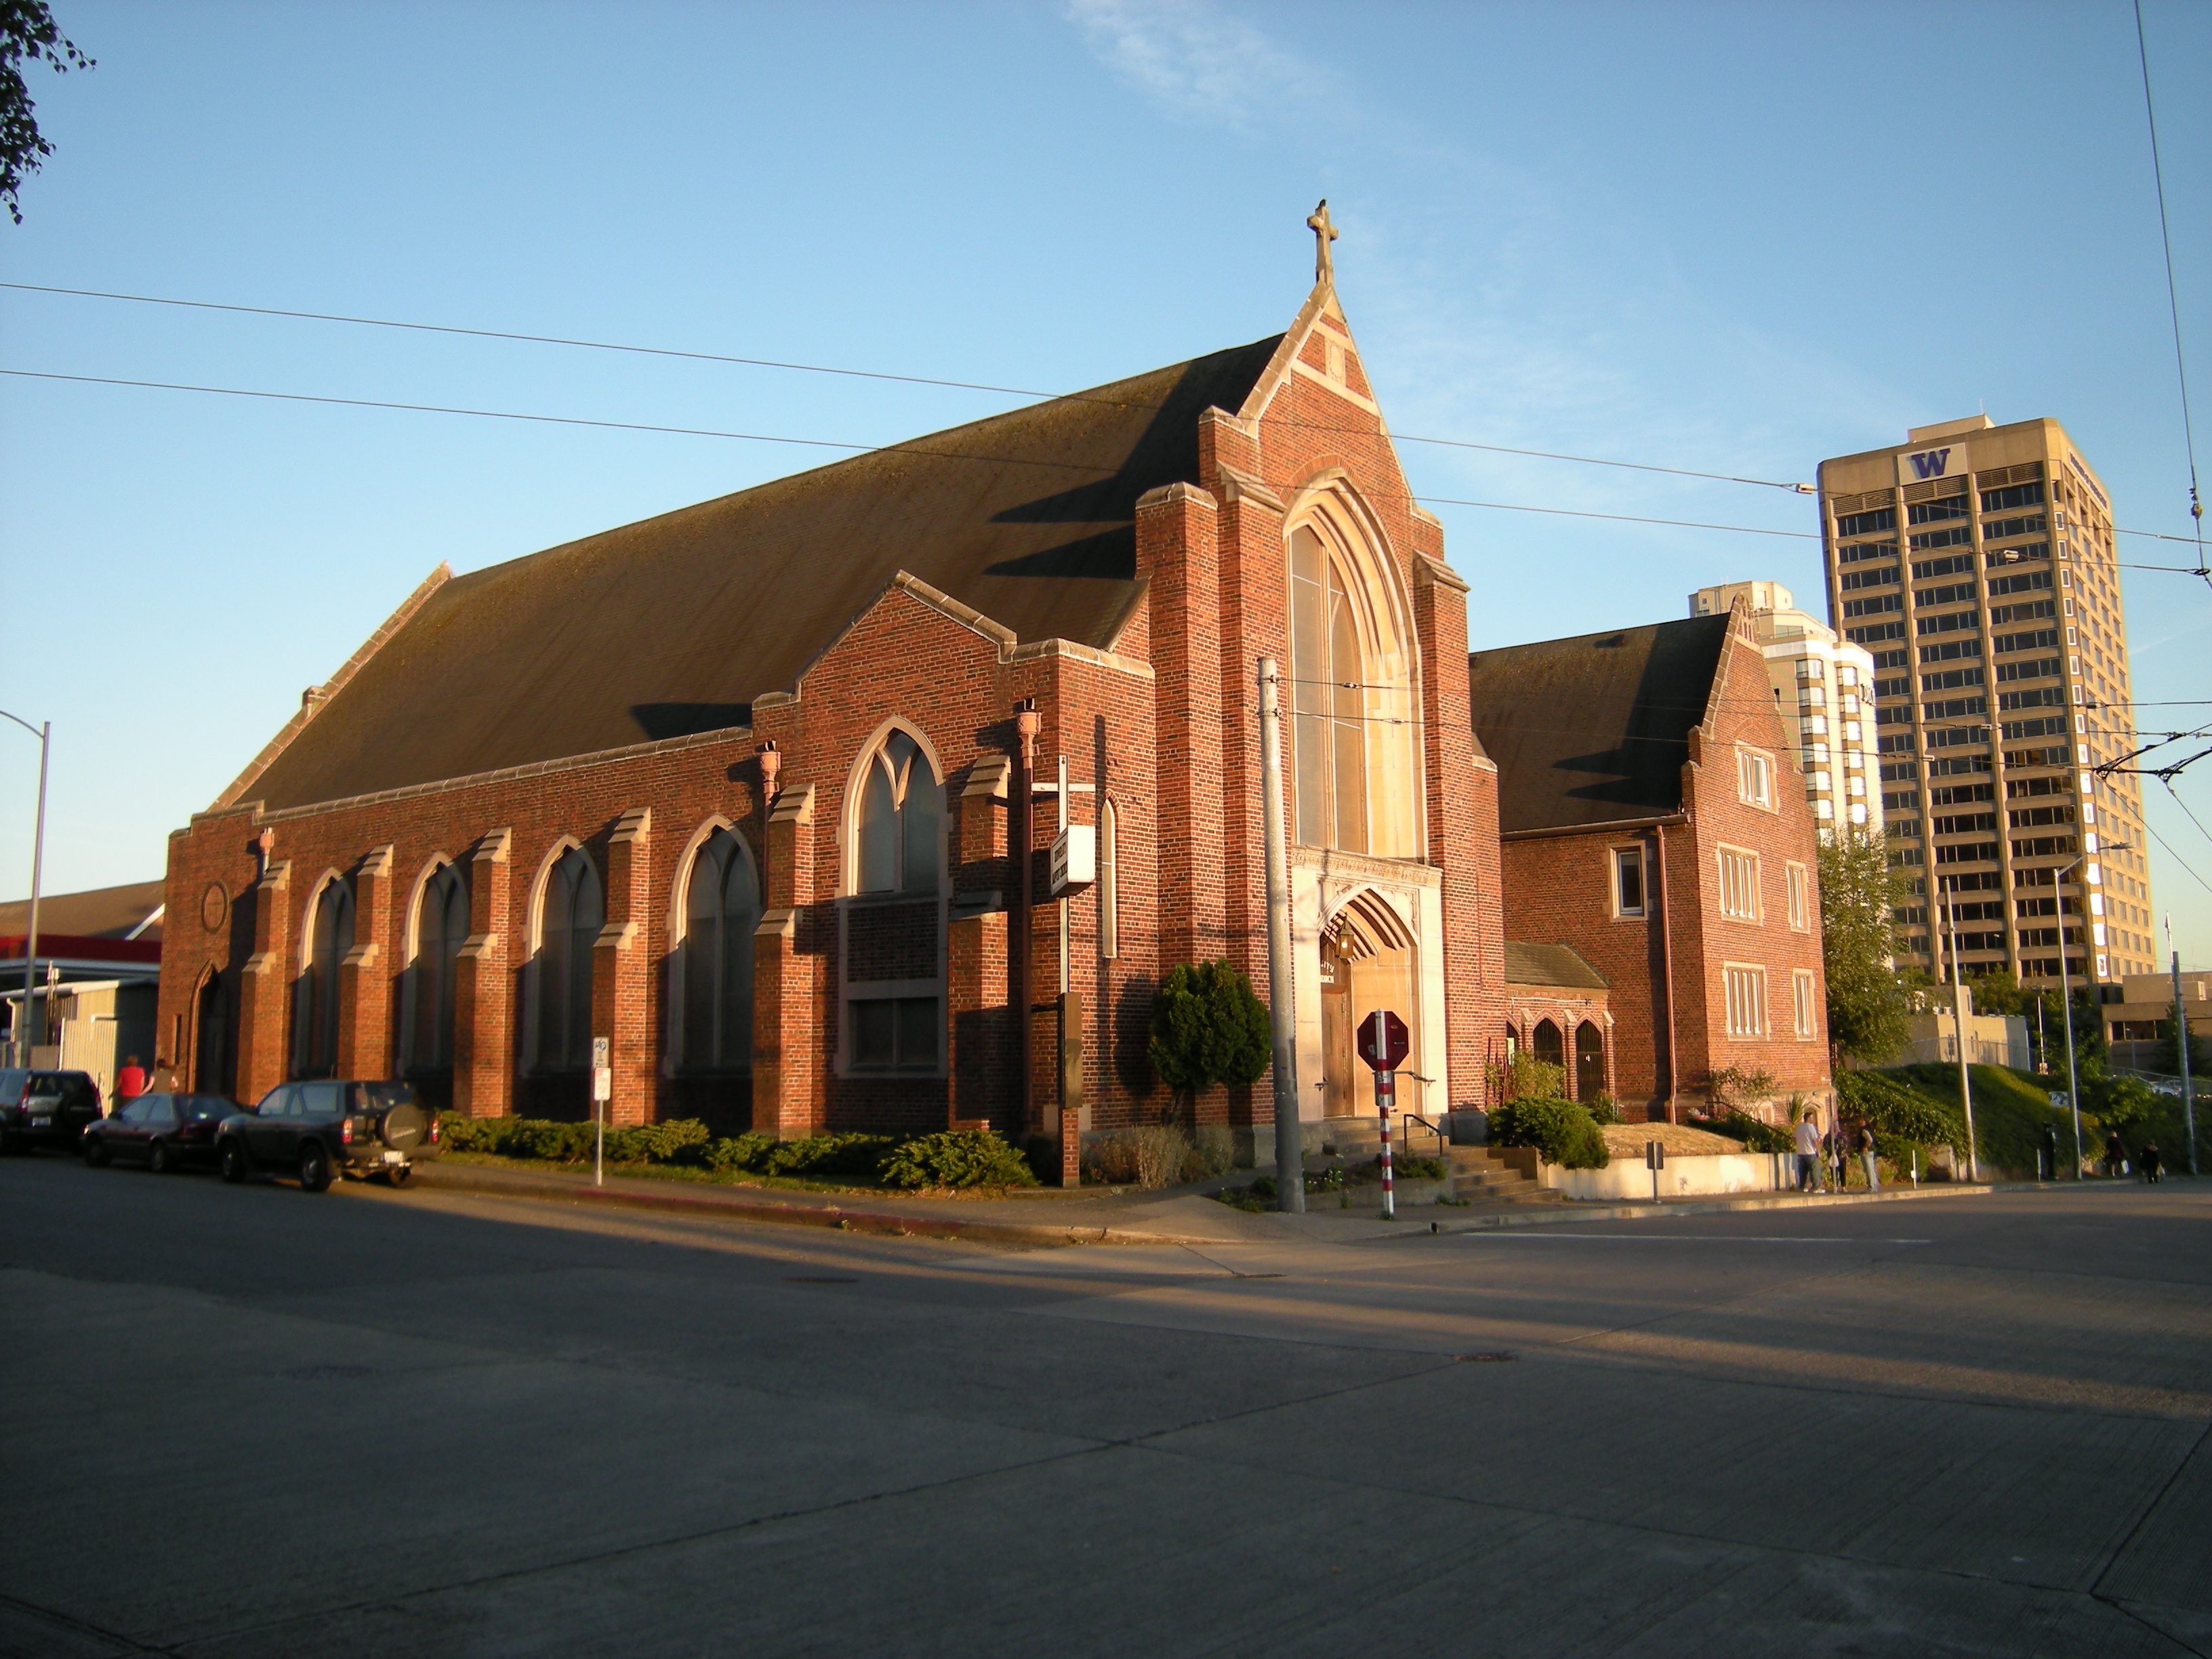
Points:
x=318 y=1129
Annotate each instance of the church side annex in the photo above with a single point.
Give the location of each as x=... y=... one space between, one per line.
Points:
x=762 y=791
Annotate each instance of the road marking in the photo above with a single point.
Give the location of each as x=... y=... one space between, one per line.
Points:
x=1674 y=1238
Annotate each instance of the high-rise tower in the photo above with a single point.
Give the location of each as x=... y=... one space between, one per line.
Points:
x=1976 y=563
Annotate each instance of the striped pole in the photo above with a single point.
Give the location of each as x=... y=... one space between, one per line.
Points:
x=1386 y=1086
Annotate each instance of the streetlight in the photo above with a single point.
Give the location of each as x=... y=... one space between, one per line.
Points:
x=2066 y=991
x=44 y=732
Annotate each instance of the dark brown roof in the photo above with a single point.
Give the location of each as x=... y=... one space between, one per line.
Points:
x=1549 y=964
x=1594 y=729
x=102 y=913
x=674 y=625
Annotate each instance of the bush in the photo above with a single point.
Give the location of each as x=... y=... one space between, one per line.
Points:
x=846 y=1154
x=1208 y=1026
x=1732 y=1088
x=1561 y=1131
x=969 y=1158
x=1894 y=1108
x=1603 y=1109
x=1212 y=1152
x=1149 y=1157
x=1756 y=1135
x=1414 y=1167
x=1531 y=1078
x=747 y=1152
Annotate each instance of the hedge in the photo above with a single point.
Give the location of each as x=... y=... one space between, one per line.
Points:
x=1561 y=1131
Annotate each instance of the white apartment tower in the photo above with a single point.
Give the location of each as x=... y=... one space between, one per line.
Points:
x=1823 y=687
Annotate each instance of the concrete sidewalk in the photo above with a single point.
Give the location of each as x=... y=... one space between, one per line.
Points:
x=1110 y=1216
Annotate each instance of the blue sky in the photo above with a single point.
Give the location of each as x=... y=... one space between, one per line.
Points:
x=1733 y=238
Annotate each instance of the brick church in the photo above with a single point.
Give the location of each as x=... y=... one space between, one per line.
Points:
x=882 y=796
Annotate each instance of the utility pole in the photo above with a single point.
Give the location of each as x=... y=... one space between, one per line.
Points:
x=1958 y=1028
x=1282 y=1013
x=2181 y=1042
x=43 y=732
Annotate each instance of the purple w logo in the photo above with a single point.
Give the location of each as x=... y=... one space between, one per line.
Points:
x=1929 y=464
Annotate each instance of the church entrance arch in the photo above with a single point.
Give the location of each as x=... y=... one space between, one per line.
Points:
x=1590 y=1061
x=1368 y=961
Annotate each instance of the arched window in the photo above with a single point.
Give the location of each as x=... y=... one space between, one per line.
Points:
x=1109 y=880
x=570 y=917
x=1590 y=1061
x=898 y=829
x=211 y=1073
x=441 y=926
x=315 y=1010
x=1547 y=1044
x=1355 y=773
x=721 y=907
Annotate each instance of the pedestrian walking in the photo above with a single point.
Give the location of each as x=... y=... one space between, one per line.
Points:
x=1807 y=1142
x=1867 y=1157
x=2116 y=1155
x=2149 y=1159
x=164 y=1079
x=131 y=1081
x=2049 y=1153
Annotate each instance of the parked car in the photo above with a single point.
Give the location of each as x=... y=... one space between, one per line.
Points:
x=162 y=1132
x=316 y=1130
x=45 y=1108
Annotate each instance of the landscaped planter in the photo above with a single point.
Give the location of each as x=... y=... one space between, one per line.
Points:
x=1683 y=1177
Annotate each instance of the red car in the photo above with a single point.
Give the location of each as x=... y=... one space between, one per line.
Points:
x=163 y=1132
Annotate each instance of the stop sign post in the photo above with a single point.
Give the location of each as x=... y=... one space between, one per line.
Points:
x=1382 y=1045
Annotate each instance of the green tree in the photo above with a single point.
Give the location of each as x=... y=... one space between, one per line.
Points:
x=1209 y=1026
x=1868 y=1008
x=26 y=32
x=1998 y=991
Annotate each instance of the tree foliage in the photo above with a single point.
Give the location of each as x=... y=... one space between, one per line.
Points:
x=1209 y=1026
x=1868 y=1009
x=27 y=32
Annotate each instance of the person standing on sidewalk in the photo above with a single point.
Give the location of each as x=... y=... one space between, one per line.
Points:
x=131 y=1081
x=1809 y=1150
x=2149 y=1159
x=1839 y=1153
x=2116 y=1155
x=1867 y=1157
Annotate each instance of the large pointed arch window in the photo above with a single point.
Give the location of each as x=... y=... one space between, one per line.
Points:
x=721 y=909
x=570 y=913
x=899 y=830
x=315 y=1007
x=891 y=952
x=1355 y=780
x=440 y=928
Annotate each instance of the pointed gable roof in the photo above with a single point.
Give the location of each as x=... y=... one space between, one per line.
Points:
x=1595 y=729
x=673 y=625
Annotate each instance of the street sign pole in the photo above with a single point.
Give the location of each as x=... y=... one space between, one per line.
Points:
x=603 y=1088
x=1282 y=1013
x=2181 y=1045
x=1384 y=1041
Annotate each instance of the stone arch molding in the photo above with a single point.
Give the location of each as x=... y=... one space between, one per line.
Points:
x=1365 y=923
x=849 y=810
x=410 y=925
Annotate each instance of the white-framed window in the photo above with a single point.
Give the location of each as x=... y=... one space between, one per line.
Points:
x=892 y=923
x=1739 y=884
x=1628 y=898
x=1800 y=896
x=1754 y=778
x=1746 y=1000
x=1801 y=996
x=1109 y=871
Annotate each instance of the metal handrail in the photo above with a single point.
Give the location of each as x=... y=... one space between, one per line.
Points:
x=1443 y=1140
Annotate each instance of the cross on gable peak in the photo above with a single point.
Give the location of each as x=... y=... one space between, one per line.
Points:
x=1324 y=233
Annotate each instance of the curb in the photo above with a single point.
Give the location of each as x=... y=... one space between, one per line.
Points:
x=836 y=1218
x=1647 y=1210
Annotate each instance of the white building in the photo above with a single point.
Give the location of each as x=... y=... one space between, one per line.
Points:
x=1825 y=685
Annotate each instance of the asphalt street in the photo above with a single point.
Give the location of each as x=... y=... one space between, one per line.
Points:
x=248 y=1421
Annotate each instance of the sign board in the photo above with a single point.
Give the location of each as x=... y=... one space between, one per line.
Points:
x=1074 y=858
x=1943 y=461
x=1382 y=1040
x=2060 y=1100
x=602 y=1052
x=602 y=1083
x=1654 y=1154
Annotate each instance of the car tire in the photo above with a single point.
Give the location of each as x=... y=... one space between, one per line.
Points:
x=160 y=1159
x=398 y=1175
x=232 y=1161
x=95 y=1153
x=314 y=1168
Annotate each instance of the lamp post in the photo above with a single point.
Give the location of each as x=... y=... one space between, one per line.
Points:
x=44 y=732
x=2066 y=993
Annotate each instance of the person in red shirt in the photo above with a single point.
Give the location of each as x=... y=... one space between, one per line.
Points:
x=131 y=1081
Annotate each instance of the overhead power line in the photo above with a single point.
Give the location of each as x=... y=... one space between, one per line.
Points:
x=2173 y=299
x=810 y=443
x=852 y=374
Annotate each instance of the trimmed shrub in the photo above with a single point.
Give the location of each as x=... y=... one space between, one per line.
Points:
x=848 y=1154
x=1531 y=1078
x=1603 y=1109
x=970 y=1157
x=1212 y=1152
x=748 y=1153
x=1561 y=1132
x=1149 y=1157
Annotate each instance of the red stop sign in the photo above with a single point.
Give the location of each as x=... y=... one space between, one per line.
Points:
x=1382 y=1040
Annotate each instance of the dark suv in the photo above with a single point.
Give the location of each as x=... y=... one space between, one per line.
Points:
x=45 y=1108
x=316 y=1130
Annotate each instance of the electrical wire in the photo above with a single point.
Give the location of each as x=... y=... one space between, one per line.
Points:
x=816 y=443
x=2173 y=299
x=854 y=373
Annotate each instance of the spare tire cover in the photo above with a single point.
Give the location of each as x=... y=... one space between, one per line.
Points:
x=403 y=1127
